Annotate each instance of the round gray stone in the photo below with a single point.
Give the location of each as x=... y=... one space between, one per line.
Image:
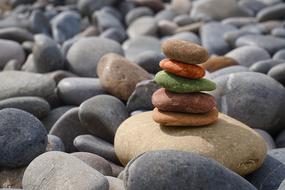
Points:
x=84 y=55
x=23 y=137
x=102 y=115
x=61 y=171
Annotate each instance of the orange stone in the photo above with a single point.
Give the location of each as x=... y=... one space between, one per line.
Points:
x=218 y=62
x=190 y=71
x=185 y=119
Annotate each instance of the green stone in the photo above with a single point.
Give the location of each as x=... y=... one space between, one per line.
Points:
x=183 y=85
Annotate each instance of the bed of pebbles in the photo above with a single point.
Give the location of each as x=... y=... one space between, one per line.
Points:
x=142 y=94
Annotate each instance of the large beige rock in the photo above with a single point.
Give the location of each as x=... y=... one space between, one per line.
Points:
x=228 y=141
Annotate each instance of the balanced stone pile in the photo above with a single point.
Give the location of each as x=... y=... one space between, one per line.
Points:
x=180 y=102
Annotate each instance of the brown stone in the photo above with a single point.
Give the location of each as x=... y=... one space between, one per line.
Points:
x=183 y=119
x=156 y=5
x=218 y=62
x=196 y=102
x=184 y=51
x=119 y=76
x=190 y=71
x=11 y=178
x=228 y=141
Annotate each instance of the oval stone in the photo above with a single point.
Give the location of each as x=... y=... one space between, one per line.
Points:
x=169 y=170
x=183 y=85
x=61 y=171
x=215 y=63
x=181 y=69
x=119 y=76
x=184 y=51
x=228 y=141
x=185 y=119
x=187 y=103
x=23 y=137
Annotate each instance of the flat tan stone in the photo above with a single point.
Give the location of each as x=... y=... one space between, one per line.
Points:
x=228 y=141
x=185 y=119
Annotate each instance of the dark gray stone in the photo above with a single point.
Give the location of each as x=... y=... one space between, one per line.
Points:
x=65 y=25
x=137 y=13
x=116 y=34
x=95 y=161
x=278 y=73
x=176 y=170
x=248 y=55
x=33 y=105
x=212 y=37
x=16 y=34
x=16 y=84
x=74 y=91
x=252 y=6
x=46 y=55
x=143 y=26
x=105 y=20
x=182 y=20
x=141 y=97
x=279 y=55
x=272 y=172
x=23 y=137
x=61 y=171
x=54 y=144
x=102 y=115
x=149 y=60
x=116 y=169
x=67 y=128
x=10 y=50
x=59 y=75
x=87 y=7
x=280 y=139
x=264 y=66
x=39 y=23
x=166 y=14
x=53 y=116
x=275 y=12
x=269 y=43
x=84 y=55
x=252 y=98
x=135 y=46
x=95 y=145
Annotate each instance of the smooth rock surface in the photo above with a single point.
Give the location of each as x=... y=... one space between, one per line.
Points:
x=85 y=54
x=243 y=151
x=119 y=76
x=34 y=105
x=26 y=135
x=178 y=84
x=181 y=170
x=141 y=97
x=184 y=51
x=74 y=91
x=243 y=96
x=102 y=115
x=58 y=170
x=248 y=55
x=95 y=145
x=67 y=128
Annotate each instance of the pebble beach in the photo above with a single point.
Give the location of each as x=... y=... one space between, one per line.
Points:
x=142 y=95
